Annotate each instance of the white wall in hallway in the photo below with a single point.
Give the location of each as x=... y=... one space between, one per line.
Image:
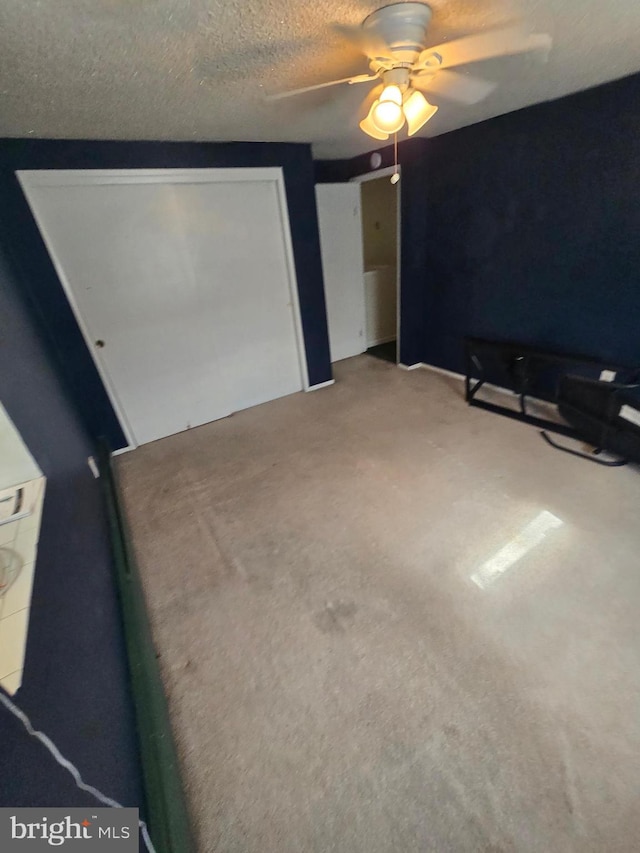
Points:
x=379 y=223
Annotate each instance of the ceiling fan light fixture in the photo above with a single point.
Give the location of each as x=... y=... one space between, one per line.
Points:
x=387 y=114
x=391 y=93
x=369 y=127
x=388 y=117
x=418 y=111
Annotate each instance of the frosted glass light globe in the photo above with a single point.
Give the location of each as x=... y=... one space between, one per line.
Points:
x=388 y=116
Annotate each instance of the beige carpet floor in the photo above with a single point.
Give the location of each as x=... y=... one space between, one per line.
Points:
x=336 y=678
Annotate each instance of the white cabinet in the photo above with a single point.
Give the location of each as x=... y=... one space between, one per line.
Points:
x=381 y=304
x=21 y=497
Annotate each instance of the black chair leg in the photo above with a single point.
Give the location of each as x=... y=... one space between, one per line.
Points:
x=615 y=463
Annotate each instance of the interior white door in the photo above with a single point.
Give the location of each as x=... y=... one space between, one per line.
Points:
x=182 y=289
x=340 y=224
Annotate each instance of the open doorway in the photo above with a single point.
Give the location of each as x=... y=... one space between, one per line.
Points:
x=380 y=228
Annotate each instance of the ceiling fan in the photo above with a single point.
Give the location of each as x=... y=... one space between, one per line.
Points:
x=394 y=40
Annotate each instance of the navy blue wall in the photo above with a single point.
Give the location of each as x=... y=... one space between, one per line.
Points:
x=524 y=227
x=414 y=211
x=29 y=260
x=533 y=229
x=75 y=684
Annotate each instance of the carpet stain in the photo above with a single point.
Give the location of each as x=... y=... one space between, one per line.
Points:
x=335 y=617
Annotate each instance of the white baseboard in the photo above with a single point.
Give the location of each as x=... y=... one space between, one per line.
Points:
x=441 y=370
x=122 y=450
x=489 y=385
x=411 y=366
x=320 y=385
x=454 y=375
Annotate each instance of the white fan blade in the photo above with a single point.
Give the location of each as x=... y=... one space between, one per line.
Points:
x=454 y=86
x=367 y=42
x=504 y=42
x=361 y=78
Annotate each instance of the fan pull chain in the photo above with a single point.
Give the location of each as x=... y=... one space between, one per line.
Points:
x=396 y=175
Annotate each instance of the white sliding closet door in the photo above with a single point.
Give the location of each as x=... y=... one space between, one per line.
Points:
x=233 y=238
x=183 y=288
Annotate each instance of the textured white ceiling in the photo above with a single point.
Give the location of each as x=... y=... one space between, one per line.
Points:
x=197 y=69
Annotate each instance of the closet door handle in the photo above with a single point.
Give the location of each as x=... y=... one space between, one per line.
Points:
x=99 y=344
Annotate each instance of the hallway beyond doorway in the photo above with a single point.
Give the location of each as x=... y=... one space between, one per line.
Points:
x=385 y=352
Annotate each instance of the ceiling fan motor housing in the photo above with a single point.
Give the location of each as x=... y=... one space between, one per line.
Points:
x=396 y=77
x=402 y=27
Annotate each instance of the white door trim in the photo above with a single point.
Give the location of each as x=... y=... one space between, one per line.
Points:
x=93 y=177
x=291 y=269
x=372 y=176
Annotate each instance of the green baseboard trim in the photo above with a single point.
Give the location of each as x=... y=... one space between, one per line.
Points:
x=167 y=814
